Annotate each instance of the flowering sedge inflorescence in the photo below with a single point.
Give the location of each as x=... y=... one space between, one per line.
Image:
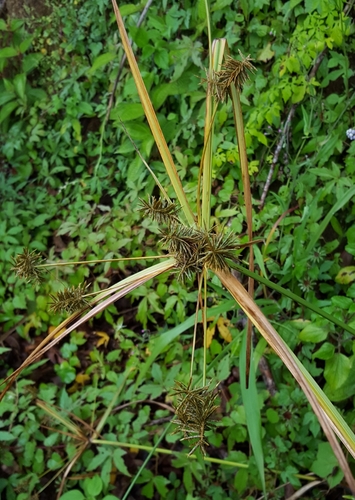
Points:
x=193 y=248
x=233 y=73
x=29 y=266
x=26 y=266
x=194 y=411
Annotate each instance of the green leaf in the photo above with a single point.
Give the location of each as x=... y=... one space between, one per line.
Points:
x=298 y=92
x=313 y=333
x=8 y=52
x=337 y=370
x=7 y=110
x=223 y=369
x=93 y=486
x=72 y=495
x=272 y=415
x=24 y=45
x=341 y=302
x=140 y=36
x=286 y=93
x=66 y=372
x=326 y=461
x=293 y=64
x=161 y=59
x=160 y=484
x=39 y=220
x=119 y=462
x=266 y=54
x=6 y=96
x=148 y=489
x=241 y=480
x=252 y=409
x=20 y=84
x=168 y=337
x=30 y=61
x=98 y=459
x=326 y=351
x=6 y=436
x=101 y=60
x=19 y=301
x=127 y=111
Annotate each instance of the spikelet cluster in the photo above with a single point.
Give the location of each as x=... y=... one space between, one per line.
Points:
x=161 y=210
x=193 y=248
x=194 y=411
x=233 y=72
x=69 y=300
x=26 y=266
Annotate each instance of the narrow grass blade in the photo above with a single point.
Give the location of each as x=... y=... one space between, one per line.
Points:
x=329 y=418
x=153 y=120
x=252 y=410
x=57 y=416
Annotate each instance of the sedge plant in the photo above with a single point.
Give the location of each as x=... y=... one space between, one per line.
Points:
x=195 y=247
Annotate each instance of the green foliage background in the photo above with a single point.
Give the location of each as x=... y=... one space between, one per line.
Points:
x=69 y=187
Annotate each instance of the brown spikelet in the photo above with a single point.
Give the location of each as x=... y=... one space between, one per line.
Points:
x=194 y=410
x=161 y=210
x=69 y=300
x=219 y=247
x=26 y=266
x=233 y=72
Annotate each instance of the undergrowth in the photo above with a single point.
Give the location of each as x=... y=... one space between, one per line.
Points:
x=71 y=184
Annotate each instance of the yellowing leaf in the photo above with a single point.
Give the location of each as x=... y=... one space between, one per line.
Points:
x=82 y=378
x=346 y=275
x=210 y=334
x=75 y=387
x=133 y=449
x=266 y=54
x=223 y=328
x=104 y=340
x=33 y=321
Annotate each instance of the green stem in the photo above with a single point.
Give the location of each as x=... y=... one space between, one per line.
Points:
x=292 y=296
x=168 y=452
x=144 y=464
x=195 y=326
x=55 y=264
x=204 y=316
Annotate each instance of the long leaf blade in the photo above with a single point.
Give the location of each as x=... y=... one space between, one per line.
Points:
x=153 y=120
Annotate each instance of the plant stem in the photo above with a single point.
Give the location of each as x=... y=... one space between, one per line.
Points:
x=55 y=264
x=204 y=316
x=168 y=452
x=195 y=326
